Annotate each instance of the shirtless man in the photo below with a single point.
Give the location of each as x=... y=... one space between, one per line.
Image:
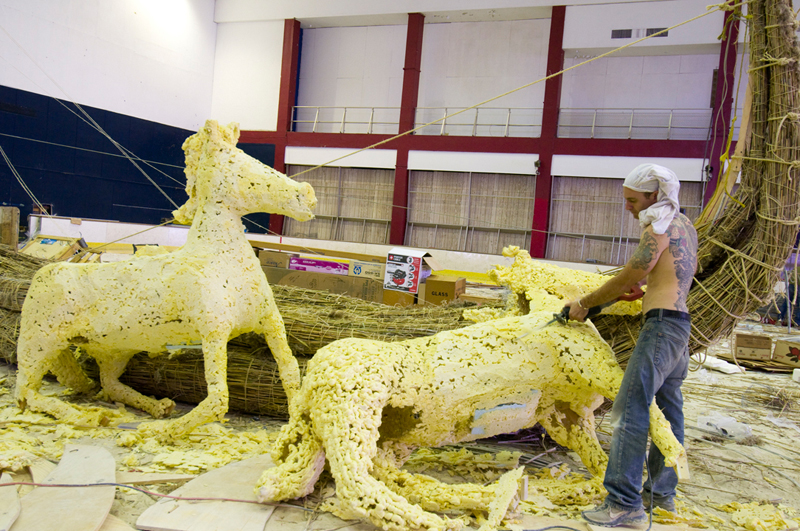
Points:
x=665 y=260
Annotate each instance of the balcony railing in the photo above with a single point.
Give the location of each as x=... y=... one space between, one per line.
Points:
x=378 y=120
x=481 y=121
x=653 y=124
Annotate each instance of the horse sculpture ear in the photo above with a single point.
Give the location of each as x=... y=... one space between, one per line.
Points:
x=233 y=127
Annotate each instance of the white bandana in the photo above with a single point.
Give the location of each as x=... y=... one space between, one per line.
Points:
x=649 y=178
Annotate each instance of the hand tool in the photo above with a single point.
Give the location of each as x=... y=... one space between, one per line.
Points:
x=563 y=316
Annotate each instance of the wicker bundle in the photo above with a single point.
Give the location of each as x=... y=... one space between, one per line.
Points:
x=742 y=253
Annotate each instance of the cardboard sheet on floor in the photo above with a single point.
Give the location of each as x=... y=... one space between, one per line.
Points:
x=71 y=508
x=9 y=503
x=236 y=481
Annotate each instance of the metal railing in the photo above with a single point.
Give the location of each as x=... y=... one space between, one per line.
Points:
x=653 y=124
x=322 y=119
x=481 y=121
x=656 y=124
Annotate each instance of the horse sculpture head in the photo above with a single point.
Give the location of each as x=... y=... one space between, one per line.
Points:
x=217 y=172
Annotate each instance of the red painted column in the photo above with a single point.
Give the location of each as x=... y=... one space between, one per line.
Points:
x=723 y=100
x=552 y=103
x=288 y=94
x=408 y=111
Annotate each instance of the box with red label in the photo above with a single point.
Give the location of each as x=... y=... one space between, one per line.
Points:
x=405 y=268
x=331 y=266
x=787 y=351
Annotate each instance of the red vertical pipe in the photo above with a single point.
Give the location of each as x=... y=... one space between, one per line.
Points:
x=723 y=100
x=408 y=111
x=552 y=103
x=288 y=94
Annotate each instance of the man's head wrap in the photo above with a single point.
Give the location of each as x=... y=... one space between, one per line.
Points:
x=651 y=178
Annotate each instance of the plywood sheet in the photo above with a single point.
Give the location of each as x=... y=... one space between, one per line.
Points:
x=71 y=508
x=235 y=481
x=151 y=478
x=9 y=503
x=113 y=523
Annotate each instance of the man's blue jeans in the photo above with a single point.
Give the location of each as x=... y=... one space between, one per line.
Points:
x=657 y=367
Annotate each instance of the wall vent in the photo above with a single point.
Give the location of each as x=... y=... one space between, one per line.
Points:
x=651 y=31
x=621 y=33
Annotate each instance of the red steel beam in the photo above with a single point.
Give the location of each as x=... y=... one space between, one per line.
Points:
x=408 y=111
x=288 y=93
x=547 y=143
x=723 y=100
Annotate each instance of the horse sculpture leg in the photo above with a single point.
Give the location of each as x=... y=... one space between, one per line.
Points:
x=112 y=364
x=301 y=459
x=274 y=330
x=577 y=433
x=348 y=428
x=31 y=370
x=212 y=407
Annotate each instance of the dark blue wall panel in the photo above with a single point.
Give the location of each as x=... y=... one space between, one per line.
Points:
x=69 y=164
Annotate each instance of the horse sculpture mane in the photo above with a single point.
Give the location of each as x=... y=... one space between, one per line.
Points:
x=204 y=293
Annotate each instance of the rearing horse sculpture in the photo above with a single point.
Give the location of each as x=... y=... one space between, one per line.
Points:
x=206 y=292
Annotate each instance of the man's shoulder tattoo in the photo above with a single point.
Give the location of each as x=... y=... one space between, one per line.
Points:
x=646 y=252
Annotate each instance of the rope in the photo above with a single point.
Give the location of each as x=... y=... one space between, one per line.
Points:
x=95 y=151
x=22 y=183
x=710 y=9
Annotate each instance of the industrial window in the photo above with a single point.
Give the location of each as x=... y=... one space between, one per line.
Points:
x=621 y=33
x=589 y=223
x=353 y=205
x=652 y=31
x=472 y=212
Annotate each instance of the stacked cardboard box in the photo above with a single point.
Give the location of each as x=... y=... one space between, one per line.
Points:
x=319 y=272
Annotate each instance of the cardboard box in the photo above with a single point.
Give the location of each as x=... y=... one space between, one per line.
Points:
x=441 y=288
x=753 y=347
x=366 y=269
x=52 y=247
x=331 y=266
x=407 y=268
x=787 y=351
x=361 y=288
x=274 y=258
x=398 y=298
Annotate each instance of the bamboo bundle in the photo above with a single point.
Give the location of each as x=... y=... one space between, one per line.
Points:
x=742 y=253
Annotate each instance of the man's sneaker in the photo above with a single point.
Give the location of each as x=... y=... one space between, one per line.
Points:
x=608 y=516
x=668 y=504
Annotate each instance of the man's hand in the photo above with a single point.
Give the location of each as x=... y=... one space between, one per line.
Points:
x=634 y=294
x=576 y=311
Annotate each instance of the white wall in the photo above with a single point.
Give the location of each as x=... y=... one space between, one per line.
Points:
x=619 y=167
x=247 y=74
x=352 y=66
x=589 y=26
x=644 y=82
x=468 y=62
x=151 y=59
x=359 y=67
